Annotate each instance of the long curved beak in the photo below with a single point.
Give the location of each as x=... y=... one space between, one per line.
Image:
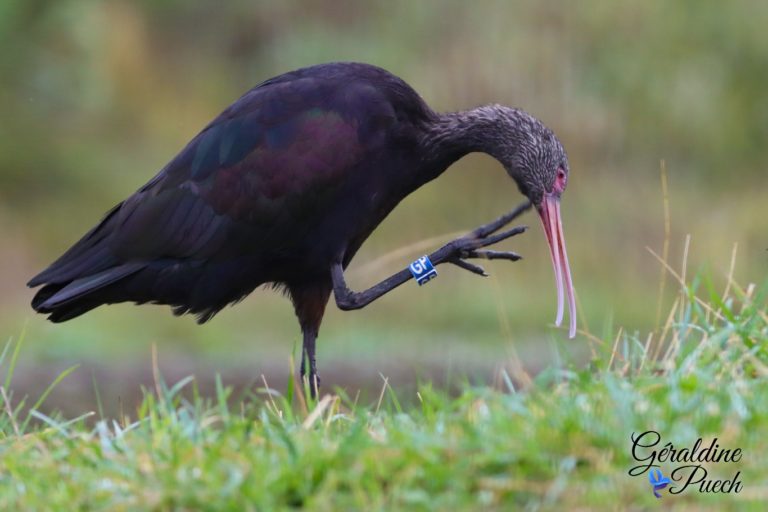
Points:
x=549 y=210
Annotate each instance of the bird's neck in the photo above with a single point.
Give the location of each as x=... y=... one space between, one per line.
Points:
x=488 y=129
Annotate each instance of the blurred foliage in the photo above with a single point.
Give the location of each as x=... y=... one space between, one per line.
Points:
x=682 y=79
x=95 y=96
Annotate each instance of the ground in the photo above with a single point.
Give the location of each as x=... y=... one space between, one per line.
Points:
x=561 y=440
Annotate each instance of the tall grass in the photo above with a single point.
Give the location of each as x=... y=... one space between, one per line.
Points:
x=559 y=442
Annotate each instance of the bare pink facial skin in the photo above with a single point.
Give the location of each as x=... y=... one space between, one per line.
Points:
x=549 y=210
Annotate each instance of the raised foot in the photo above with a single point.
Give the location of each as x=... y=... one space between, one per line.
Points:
x=456 y=252
x=471 y=246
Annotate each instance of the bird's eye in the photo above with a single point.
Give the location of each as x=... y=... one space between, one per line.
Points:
x=560 y=181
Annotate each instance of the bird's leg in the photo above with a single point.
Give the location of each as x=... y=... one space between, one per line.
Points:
x=309 y=300
x=308 y=355
x=456 y=252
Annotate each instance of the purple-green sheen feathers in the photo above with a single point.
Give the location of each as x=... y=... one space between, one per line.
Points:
x=271 y=190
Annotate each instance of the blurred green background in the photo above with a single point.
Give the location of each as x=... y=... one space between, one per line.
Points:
x=96 y=96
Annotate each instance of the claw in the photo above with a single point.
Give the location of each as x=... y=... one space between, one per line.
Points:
x=475 y=269
x=485 y=242
x=495 y=255
x=502 y=221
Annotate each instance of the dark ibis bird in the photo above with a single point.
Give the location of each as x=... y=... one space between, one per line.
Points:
x=285 y=185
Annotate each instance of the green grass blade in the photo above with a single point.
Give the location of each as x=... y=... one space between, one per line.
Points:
x=45 y=394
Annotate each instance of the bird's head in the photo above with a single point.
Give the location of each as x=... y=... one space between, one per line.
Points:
x=537 y=162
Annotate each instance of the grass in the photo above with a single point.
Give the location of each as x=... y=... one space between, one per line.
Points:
x=559 y=441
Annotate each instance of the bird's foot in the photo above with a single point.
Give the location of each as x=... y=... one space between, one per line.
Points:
x=314 y=385
x=463 y=249
x=471 y=246
x=311 y=382
x=497 y=224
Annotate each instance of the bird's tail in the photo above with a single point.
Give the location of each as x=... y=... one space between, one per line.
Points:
x=64 y=301
x=89 y=274
x=72 y=283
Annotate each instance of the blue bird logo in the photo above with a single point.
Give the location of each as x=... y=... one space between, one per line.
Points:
x=658 y=481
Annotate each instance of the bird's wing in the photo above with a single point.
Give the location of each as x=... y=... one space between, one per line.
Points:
x=277 y=151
